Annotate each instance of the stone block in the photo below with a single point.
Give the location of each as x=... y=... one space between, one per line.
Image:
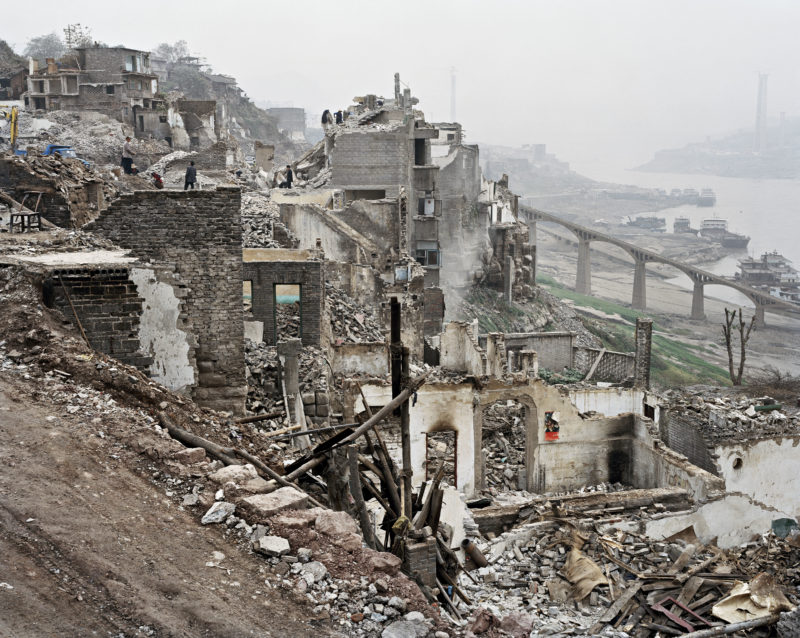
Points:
x=272 y=546
x=239 y=474
x=259 y=508
x=190 y=456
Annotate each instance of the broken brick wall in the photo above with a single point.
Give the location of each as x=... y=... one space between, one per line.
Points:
x=613 y=366
x=682 y=434
x=67 y=206
x=198 y=235
x=371 y=159
x=310 y=275
x=107 y=305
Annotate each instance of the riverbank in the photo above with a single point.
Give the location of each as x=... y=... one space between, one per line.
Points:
x=774 y=346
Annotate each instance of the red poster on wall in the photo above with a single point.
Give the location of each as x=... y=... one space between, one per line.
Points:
x=551 y=426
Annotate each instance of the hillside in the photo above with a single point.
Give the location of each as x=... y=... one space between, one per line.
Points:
x=733 y=155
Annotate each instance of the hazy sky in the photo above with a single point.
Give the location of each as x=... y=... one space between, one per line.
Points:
x=600 y=80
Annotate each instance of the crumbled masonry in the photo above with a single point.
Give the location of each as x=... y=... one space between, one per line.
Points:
x=345 y=407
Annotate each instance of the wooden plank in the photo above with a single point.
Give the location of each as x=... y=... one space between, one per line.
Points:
x=594 y=365
x=612 y=611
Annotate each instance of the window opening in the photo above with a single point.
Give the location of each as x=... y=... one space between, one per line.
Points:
x=288 y=311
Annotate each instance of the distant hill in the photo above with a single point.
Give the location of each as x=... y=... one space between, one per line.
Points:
x=734 y=156
x=9 y=59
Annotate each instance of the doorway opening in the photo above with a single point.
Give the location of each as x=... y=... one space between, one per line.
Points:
x=503 y=443
x=288 y=311
x=441 y=447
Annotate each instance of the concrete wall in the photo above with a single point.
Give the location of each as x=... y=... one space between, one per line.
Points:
x=766 y=471
x=162 y=331
x=459 y=349
x=553 y=348
x=198 y=235
x=339 y=240
x=655 y=465
x=608 y=401
x=728 y=522
x=370 y=359
x=587 y=452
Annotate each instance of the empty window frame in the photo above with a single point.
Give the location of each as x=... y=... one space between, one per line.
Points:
x=428 y=254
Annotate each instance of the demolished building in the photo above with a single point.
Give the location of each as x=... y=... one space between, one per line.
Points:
x=320 y=310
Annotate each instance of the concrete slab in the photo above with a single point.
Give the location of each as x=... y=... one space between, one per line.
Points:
x=259 y=508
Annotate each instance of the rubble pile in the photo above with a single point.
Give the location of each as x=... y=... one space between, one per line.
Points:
x=55 y=240
x=325 y=563
x=261 y=224
x=161 y=165
x=351 y=322
x=95 y=137
x=723 y=418
x=65 y=173
x=262 y=370
x=287 y=319
x=504 y=445
x=584 y=581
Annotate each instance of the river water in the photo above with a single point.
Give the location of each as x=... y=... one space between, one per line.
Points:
x=768 y=210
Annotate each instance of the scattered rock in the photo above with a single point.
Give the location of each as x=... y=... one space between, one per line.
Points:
x=218 y=513
x=272 y=546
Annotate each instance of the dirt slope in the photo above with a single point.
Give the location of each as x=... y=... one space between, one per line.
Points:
x=92 y=547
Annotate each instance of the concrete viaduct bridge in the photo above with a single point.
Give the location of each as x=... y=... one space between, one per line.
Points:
x=762 y=301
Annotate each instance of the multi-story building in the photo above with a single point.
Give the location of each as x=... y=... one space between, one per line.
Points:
x=114 y=80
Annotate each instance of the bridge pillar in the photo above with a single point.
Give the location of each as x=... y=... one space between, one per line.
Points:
x=639 y=301
x=760 y=321
x=583 y=279
x=698 y=303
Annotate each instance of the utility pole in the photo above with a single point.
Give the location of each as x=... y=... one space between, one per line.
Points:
x=452 y=94
x=760 y=142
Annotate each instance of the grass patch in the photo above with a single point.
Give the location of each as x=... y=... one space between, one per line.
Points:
x=673 y=362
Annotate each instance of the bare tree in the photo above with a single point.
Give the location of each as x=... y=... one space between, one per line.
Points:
x=172 y=52
x=45 y=46
x=744 y=336
x=77 y=35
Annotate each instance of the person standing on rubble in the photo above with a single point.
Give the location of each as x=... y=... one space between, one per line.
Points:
x=127 y=156
x=288 y=177
x=339 y=117
x=191 y=176
x=327 y=120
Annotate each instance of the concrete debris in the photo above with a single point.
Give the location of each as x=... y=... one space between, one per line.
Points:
x=235 y=473
x=261 y=224
x=218 y=513
x=724 y=418
x=95 y=137
x=351 y=322
x=272 y=546
x=265 y=394
x=529 y=571
x=260 y=507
